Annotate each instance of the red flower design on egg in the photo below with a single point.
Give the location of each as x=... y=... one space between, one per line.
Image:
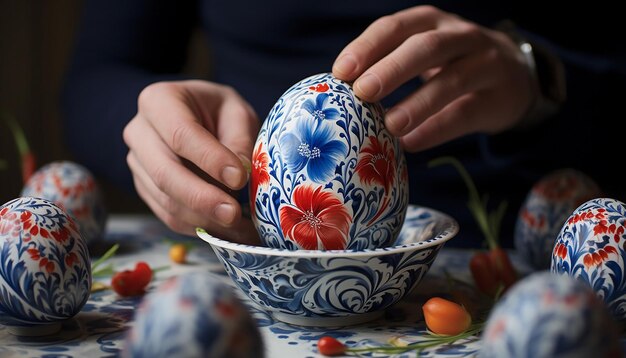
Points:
x=377 y=163
x=316 y=220
x=259 y=174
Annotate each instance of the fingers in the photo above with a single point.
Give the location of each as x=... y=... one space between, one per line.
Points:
x=181 y=116
x=461 y=77
x=157 y=164
x=380 y=38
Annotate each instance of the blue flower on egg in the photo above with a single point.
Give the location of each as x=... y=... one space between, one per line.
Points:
x=311 y=145
x=318 y=109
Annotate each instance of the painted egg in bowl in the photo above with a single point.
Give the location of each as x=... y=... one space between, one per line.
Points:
x=336 y=287
x=326 y=174
x=45 y=270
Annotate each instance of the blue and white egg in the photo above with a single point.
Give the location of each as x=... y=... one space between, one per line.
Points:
x=193 y=315
x=74 y=188
x=590 y=247
x=326 y=173
x=45 y=270
x=546 y=208
x=547 y=315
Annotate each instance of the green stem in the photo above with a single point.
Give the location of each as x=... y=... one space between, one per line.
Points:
x=476 y=205
x=432 y=341
x=18 y=133
x=107 y=255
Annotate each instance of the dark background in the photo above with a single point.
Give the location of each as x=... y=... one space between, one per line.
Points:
x=36 y=40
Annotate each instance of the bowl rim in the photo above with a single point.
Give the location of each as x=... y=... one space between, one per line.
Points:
x=447 y=233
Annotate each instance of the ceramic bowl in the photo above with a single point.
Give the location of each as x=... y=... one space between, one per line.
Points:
x=193 y=315
x=45 y=270
x=337 y=287
x=74 y=188
x=547 y=315
x=590 y=247
x=326 y=174
x=546 y=208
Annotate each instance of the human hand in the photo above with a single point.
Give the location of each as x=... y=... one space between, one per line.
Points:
x=475 y=79
x=187 y=144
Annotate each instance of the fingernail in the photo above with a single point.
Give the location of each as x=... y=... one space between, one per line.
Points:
x=225 y=213
x=231 y=176
x=368 y=85
x=396 y=120
x=345 y=65
x=246 y=163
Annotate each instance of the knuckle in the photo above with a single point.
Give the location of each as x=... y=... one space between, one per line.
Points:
x=159 y=176
x=429 y=10
x=153 y=92
x=388 y=24
x=197 y=201
x=456 y=80
x=431 y=41
x=179 y=137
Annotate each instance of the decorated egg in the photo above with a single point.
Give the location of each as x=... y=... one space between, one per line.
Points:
x=74 y=188
x=193 y=315
x=45 y=270
x=326 y=174
x=549 y=203
x=547 y=315
x=590 y=247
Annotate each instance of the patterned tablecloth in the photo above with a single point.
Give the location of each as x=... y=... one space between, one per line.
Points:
x=99 y=329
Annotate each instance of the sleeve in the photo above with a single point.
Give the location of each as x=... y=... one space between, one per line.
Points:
x=121 y=47
x=583 y=133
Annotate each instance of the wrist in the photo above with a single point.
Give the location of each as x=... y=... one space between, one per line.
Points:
x=547 y=77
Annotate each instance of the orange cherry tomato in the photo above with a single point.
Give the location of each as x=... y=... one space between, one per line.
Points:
x=446 y=317
x=329 y=346
x=178 y=253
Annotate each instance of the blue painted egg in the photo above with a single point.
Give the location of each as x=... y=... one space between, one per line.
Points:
x=45 y=270
x=193 y=315
x=326 y=174
x=590 y=247
x=74 y=188
x=547 y=315
x=546 y=208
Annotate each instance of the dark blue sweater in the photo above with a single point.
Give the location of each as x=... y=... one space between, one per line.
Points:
x=263 y=47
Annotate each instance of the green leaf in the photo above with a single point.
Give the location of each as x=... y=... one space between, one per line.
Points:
x=107 y=255
x=489 y=223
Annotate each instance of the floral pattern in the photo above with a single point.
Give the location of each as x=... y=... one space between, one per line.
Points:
x=45 y=275
x=316 y=221
x=312 y=146
x=73 y=188
x=590 y=247
x=546 y=315
x=548 y=205
x=259 y=174
x=317 y=134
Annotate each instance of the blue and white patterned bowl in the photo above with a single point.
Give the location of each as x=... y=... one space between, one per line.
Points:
x=590 y=247
x=336 y=287
x=193 y=315
x=45 y=270
x=326 y=173
x=73 y=188
x=547 y=315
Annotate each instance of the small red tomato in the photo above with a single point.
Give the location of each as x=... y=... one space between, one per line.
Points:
x=502 y=264
x=446 y=317
x=330 y=347
x=485 y=276
x=143 y=274
x=123 y=283
x=132 y=283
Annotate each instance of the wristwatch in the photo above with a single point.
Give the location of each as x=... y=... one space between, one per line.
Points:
x=546 y=70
